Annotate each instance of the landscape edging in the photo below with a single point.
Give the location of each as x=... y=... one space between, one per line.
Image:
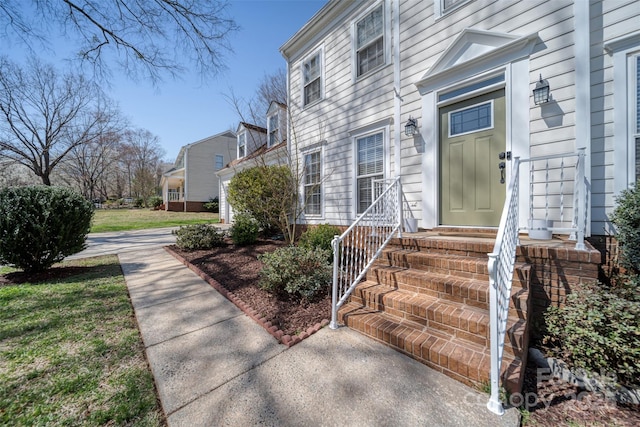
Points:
x=278 y=334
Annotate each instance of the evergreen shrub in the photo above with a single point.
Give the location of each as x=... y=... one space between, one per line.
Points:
x=41 y=225
x=198 y=236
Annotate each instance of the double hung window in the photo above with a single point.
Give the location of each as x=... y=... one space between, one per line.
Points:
x=370 y=41
x=312 y=77
x=369 y=168
x=312 y=183
x=273 y=130
x=242 y=145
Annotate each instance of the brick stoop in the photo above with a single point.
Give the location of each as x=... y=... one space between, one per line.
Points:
x=428 y=298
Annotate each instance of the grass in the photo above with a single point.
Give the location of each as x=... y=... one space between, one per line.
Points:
x=138 y=219
x=71 y=353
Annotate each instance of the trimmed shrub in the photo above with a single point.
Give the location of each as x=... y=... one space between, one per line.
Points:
x=626 y=218
x=213 y=205
x=41 y=225
x=198 y=236
x=267 y=193
x=155 y=201
x=244 y=230
x=295 y=272
x=319 y=237
x=598 y=329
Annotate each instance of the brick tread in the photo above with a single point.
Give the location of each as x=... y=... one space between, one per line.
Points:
x=462 y=360
x=457 y=319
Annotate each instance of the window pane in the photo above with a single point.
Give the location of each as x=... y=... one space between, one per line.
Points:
x=365 y=192
x=371 y=56
x=369 y=28
x=219 y=162
x=312 y=184
x=470 y=119
x=370 y=155
x=448 y=4
x=312 y=69
x=312 y=92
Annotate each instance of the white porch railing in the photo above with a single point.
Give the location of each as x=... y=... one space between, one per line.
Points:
x=174 y=196
x=357 y=248
x=502 y=259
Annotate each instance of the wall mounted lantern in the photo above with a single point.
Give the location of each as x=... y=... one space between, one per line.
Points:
x=411 y=127
x=541 y=92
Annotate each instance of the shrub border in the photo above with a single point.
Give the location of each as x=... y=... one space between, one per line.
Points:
x=278 y=334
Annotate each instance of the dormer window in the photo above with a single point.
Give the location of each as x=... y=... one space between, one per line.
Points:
x=312 y=77
x=242 y=145
x=273 y=130
x=369 y=35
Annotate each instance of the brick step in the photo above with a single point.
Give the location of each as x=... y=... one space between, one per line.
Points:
x=439 y=244
x=459 y=265
x=451 y=287
x=464 y=361
x=453 y=318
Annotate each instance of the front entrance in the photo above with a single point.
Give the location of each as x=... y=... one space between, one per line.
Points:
x=472 y=185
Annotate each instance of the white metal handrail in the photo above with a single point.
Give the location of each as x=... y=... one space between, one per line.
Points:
x=501 y=265
x=358 y=247
x=557 y=187
x=502 y=259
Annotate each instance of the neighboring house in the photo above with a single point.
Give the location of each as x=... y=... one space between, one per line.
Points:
x=192 y=180
x=256 y=146
x=440 y=95
x=357 y=74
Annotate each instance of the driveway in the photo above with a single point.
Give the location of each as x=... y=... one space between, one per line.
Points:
x=125 y=241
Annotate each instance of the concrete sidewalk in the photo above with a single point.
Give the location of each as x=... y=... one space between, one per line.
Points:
x=214 y=366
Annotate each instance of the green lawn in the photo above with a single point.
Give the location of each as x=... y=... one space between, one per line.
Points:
x=138 y=219
x=71 y=353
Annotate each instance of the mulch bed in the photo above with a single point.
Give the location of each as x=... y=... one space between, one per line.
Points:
x=235 y=272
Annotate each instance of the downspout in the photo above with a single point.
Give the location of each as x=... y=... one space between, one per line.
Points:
x=583 y=96
x=397 y=112
x=186 y=178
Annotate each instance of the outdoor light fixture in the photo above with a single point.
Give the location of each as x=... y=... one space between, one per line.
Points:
x=411 y=127
x=541 y=92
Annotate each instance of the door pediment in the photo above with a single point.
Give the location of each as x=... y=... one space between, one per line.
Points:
x=473 y=50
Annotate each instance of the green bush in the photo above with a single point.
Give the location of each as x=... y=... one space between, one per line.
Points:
x=155 y=201
x=40 y=225
x=244 y=230
x=319 y=237
x=296 y=272
x=267 y=193
x=213 y=205
x=138 y=202
x=626 y=218
x=198 y=236
x=598 y=329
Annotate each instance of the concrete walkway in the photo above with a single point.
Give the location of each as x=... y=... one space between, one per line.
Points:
x=214 y=366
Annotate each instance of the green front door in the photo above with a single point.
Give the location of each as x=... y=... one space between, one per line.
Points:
x=472 y=135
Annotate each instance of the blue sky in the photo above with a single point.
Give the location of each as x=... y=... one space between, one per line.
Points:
x=185 y=111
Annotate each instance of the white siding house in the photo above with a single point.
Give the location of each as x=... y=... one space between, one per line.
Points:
x=465 y=71
x=192 y=180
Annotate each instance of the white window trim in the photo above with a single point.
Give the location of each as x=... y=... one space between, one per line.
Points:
x=439 y=10
x=238 y=145
x=466 y=108
x=386 y=34
x=623 y=50
x=320 y=52
x=304 y=153
x=367 y=131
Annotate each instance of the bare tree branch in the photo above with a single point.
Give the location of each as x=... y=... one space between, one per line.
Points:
x=147 y=39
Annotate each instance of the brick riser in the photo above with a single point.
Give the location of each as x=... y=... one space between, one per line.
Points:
x=429 y=299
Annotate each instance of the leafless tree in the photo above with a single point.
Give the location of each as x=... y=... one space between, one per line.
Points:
x=89 y=164
x=141 y=156
x=145 y=38
x=45 y=115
